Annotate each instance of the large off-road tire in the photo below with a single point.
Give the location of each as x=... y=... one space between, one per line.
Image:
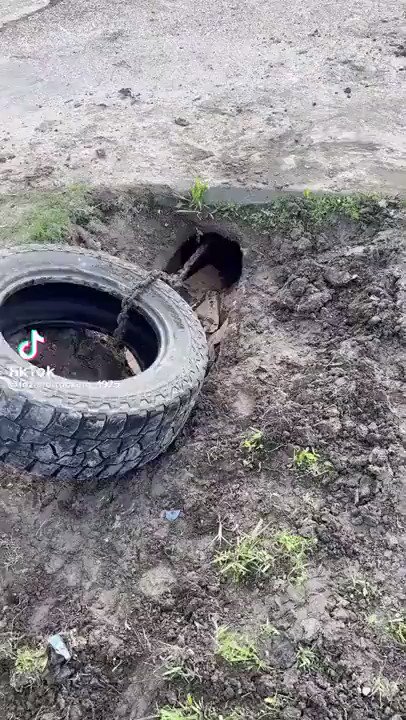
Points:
x=54 y=427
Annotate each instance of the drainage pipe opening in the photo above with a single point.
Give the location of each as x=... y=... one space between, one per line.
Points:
x=220 y=265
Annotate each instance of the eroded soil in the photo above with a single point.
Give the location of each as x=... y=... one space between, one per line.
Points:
x=312 y=357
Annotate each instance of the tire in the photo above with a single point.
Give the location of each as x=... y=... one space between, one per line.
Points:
x=51 y=426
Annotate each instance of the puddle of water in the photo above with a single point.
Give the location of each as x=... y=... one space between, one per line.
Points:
x=12 y=10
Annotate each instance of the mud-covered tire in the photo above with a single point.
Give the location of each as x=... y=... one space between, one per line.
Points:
x=65 y=431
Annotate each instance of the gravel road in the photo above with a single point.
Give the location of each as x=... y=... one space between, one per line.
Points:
x=284 y=95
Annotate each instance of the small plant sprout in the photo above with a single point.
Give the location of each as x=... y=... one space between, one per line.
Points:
x=179 y=672
x=359 y=589
x=236 y=649
x=194 y=200
x=29 y=665
x=237 y=714
x=198 y=192
x=386 y=690
x=293 y=549
x=306 y=659
x=178 y=665
x=309 y=461
x=274 y=705
x=252 y=448
x=397 y=628
x=188 y=710
x=269 y=630
x=372 y=619
x=247 y=558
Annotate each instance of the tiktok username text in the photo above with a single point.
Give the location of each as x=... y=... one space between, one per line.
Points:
x=24 y=377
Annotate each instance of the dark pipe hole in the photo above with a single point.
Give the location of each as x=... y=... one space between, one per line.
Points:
x=222 y=253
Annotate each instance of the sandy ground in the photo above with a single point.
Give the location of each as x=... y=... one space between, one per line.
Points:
x=283 y=95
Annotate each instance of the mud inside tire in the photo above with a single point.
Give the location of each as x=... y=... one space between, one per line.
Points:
x=56 y=427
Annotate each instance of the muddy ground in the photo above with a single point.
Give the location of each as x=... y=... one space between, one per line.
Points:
x=313 y=358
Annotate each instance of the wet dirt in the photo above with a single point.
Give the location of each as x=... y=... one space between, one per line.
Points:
x=313 y=356
x=79 y=354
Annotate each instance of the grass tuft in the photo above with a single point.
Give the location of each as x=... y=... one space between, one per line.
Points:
x=189 y=710
x=275 y=705
x=294 y=549
x=252 y=448
x=236 y=649
x=52 y=218
x=396 y=627
x=255 y=556
x=199 y=710
x=29 y=665
x=269 y=630
x=360 y=590
x=306 y=659
x=386 y=690
x=49 y=224
x=249 y=557
x=176 y=668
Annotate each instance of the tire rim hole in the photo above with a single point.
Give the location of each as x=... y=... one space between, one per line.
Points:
x=77 y=324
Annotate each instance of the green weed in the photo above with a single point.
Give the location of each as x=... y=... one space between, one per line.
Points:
x=252 y=448
x=29 y=665
x=189 y=710
x=198 y=710
x=308 y=212
x=236 y=649
x=179 y=671
x=309 y=461
x=396 y=627
x=372 y=619
x=197 y=193
x=386 y=690
x=293 y=549
x=321 y=207
x=306 y=659
x=194 y=200
x=249 y=557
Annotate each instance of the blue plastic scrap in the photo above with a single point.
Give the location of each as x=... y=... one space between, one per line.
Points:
x=172 y=514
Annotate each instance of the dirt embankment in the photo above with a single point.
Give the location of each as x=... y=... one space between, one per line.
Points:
x=313 y=358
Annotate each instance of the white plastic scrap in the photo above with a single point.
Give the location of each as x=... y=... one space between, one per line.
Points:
x=56 y=642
